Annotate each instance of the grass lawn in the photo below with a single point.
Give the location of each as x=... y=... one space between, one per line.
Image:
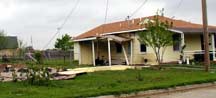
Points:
x=56 y=63
x=198 y=66
x=107 y=82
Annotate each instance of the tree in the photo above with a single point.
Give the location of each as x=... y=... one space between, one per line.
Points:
x=65 y=43
x=3 y=40
x=157 y=36
x=22 y=48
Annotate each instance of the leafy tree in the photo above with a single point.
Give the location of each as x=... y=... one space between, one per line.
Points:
x=157 y=36
x=65 y=43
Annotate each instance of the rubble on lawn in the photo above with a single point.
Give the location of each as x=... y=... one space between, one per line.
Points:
x=7 y=70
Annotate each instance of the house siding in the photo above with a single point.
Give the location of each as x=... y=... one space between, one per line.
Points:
x=169 y=56
x=192 y=41
x=76 y=51
x=9 y=52
x=86 y=52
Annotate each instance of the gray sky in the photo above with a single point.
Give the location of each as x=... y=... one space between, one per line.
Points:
x=41 y=18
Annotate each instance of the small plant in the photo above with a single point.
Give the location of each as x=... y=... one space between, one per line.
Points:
x=138 y=75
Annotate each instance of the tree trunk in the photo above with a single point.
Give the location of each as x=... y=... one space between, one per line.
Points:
x=64 y=56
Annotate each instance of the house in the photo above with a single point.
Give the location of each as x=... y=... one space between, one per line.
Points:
x=117 y=43
x=9 y=46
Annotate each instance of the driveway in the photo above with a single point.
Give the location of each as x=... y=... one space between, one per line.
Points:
x=209 y=92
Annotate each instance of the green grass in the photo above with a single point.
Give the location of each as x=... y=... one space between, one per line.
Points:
x=107 y=82
x=56 y=63
x=197 y=66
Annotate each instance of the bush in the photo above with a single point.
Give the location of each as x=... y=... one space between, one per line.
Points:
x=38 y=57
x=75 y=62
x=37 y=75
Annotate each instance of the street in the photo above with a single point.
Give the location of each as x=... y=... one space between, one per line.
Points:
x=209 y=92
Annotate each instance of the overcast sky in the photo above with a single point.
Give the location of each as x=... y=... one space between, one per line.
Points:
x=41 y=18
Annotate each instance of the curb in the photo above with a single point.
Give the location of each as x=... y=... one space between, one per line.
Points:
x=160 y=91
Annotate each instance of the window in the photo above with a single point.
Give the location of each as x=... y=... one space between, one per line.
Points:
x=177 y=42
x=118 y=48
x=143 y=48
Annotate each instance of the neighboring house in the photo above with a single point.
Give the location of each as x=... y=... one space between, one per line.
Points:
x=117 y=43
x=10 y=46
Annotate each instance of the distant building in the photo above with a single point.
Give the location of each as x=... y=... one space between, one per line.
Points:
x=9 y=46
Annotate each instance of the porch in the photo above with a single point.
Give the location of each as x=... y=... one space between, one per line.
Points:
x=195 y=47
x=112 y=50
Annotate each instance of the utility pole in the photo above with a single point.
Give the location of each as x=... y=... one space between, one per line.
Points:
x=31 y=42
x=206 y=35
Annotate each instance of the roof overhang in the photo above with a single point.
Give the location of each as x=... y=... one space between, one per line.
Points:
x=195 y=30
x=176 y=30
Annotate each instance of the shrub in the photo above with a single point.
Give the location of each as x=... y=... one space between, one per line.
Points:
x=37 y=75
x=38 y=57
x=75 y=62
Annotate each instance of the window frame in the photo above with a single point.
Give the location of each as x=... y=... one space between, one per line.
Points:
x=178 y=37
x=140 y=48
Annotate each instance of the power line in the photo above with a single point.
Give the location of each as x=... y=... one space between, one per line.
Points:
x=58 y=31
x=106 y=15
x=70 y=13
x=62 y=25
x=177 y=7
x=137 y=10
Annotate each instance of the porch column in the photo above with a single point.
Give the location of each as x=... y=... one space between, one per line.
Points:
x=213 y=46
x=182 y=44
x=131 y=51
x=109 y=53
x=93 y=53
x=182 y=39
x=125 y=54
x=79 y=53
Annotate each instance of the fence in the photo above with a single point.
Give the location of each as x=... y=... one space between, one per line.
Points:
x=50 y=57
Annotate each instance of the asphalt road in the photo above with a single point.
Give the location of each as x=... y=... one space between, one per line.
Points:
x=209 y=92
